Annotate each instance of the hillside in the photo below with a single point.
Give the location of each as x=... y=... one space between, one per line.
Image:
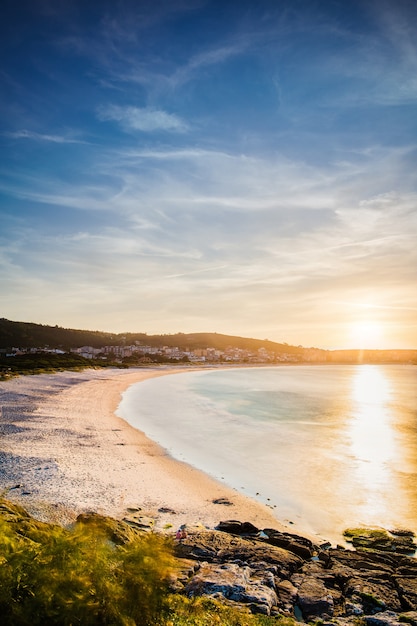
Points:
x=29 y=335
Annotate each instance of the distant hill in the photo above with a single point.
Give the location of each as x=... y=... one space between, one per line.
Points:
x=29 y=335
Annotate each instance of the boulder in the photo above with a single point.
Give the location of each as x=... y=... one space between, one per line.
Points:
x=271 y=533
x=218 y=547
x=235 y=583
x=314 y=599
x=301 y=546
x=237 y=528
x=287 y=596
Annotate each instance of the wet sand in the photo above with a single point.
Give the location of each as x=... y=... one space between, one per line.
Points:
x=63 y=451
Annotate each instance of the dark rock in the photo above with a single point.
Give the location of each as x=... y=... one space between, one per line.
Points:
x=375 y=594
x=298 y=545
x=141 y=522
x=386 y=618
x=218 y=547
x=166 y=509
x=272 y=533
x=324 y=557
x=224 y=501
x=364 y=560
x=237 y=528
x=407 y=567
x=314 y=599
x=314 y=569
x=407 y=589
x=287 y=595
x=319 y=591
x=402 y=532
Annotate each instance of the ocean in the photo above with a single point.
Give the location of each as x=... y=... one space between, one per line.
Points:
x=325 y=447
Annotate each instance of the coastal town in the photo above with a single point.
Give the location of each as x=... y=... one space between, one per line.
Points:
x=26 y=341
x=139 y=353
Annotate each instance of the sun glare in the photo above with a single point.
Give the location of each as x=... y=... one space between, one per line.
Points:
x=371 y=436
x=366 y=335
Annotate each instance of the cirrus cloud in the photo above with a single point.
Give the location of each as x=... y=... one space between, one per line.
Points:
x=145 y=119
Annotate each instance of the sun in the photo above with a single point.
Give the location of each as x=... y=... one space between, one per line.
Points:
x=366 y=335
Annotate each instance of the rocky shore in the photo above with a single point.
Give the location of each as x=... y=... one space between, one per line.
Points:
x=272 y=572
x=278 y=573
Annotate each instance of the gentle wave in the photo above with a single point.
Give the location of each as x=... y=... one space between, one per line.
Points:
x=326 y=447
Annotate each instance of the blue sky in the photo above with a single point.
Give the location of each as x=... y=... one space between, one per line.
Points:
x=246 y=168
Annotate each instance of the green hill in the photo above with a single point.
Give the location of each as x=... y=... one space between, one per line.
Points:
x=29 y=335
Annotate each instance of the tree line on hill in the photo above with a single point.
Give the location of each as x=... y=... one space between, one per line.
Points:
x=30 y=335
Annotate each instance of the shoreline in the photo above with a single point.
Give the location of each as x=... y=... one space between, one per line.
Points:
x=65 y=451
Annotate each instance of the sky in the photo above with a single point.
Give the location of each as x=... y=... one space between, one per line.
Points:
x=240 y=167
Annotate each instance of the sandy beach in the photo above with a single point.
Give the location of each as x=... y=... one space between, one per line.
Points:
x=64 y=451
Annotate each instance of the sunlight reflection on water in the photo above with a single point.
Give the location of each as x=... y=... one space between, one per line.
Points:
x=372 y=438
x=328 y=447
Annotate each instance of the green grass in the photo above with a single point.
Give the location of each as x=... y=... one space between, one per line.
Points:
x=50 y=575
x=206 y=612
x=80 y=577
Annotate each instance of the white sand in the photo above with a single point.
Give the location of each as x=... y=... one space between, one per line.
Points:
x=63 y=451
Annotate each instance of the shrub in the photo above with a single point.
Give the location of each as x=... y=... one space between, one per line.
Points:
x=79 y=577
x=52 y=576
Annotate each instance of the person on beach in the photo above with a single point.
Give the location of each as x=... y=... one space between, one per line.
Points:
x=181 y=533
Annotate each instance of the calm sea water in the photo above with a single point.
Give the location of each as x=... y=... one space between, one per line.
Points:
x=326 y=447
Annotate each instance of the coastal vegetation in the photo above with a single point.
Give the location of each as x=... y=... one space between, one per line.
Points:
x=105 y=571
x=47 y=362
x=86 y=575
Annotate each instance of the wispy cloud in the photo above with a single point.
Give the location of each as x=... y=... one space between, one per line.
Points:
x=32 y=135
x=207 y=58
x=145 y=119
x=201 y=271
x=220 y=204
